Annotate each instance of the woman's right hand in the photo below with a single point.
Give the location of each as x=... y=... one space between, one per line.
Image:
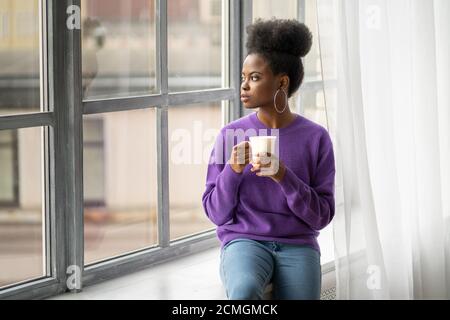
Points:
x=240 y=156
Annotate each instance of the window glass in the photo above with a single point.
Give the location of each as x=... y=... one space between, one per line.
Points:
x=120 y=183
x=192 y=133
x=266 y=9
x=21 y=206
x=312 y=60
x=19 y=57
x=118 y=48
x=195 y=44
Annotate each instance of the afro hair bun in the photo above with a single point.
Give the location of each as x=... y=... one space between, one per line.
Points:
x=286 y=36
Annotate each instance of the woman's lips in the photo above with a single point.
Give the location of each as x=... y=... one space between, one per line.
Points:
x=245 y=98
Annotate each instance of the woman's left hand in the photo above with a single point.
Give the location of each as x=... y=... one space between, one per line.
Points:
x=268 y=165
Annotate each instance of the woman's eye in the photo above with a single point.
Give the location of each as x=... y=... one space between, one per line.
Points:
x=253 y=78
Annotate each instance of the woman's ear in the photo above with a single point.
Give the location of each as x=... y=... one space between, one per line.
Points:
x=284 y=82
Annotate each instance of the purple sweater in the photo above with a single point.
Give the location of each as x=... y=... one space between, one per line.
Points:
x=252 y=207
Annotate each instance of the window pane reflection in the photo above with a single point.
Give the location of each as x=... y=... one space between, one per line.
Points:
x=312 y=60
x=195 y=44
x=314 y=106
x=192 y=132
x=119 y=46
x=266 y=9
x=19 y=56
x=120 y=183
x=21 y=207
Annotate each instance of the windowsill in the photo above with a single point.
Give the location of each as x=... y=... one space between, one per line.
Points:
x=195 y=277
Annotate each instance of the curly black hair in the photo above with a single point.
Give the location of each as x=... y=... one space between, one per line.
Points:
x=282 y=42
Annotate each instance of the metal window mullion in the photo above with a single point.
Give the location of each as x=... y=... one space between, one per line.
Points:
x=162 y=126
x=205 y=96
x=30 y=120
x=301 y=7
x=49 y=232
x=246 y=18
x=75 y=198
x=162 y=73
x=163 y=176
x=145 y=102
x=52 y=226
x=35 y=289
x=122 y=104
x=43 y=54
x=235 y=54
x=15 y=145
x=65 y=100
x=225 y=60
x=57 y=247
x=246 y=15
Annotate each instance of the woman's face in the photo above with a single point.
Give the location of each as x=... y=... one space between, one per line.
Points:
x=258 y=85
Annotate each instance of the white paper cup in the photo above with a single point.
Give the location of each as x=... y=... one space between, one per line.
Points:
x=262 y=144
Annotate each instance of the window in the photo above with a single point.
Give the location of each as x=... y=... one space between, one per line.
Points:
x=22 y=255
x=267 y=9
x=192 y=132
x=313 y=101
x=19 y=57
x=119 y=46
x=23 y=193
x=120 y=186
x=96 y=180
x=9 y=192
x=124 y=194
x=94 y=161
x=195 y=44
x=4 y=23
x=88 y=189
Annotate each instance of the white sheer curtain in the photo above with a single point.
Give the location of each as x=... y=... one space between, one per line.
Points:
x=386 y=72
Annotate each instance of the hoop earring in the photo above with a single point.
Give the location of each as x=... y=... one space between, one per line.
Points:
x=275 y=102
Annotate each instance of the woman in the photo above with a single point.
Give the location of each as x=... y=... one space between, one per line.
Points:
x=268 y=220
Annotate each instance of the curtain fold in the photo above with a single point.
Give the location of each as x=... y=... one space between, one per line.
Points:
x=386 y=75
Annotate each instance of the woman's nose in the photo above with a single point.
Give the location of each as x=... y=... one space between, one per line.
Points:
x=244 y=85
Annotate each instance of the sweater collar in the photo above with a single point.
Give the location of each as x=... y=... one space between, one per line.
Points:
x=292 y=126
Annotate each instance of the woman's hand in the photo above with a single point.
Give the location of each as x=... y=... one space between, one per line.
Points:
x=268 y=165
x=240 y=157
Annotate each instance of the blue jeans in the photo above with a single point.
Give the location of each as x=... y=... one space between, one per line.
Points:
x=248 y=266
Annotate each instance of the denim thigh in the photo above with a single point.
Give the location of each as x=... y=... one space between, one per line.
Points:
x=246 y=267
x=297 y=273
